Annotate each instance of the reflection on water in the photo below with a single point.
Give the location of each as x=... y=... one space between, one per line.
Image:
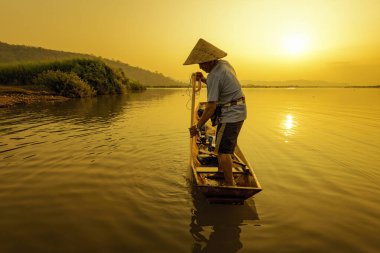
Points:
x=288 y=126
x=288 y=122
x=102 y=108
x=108 y=174
x=217 y=228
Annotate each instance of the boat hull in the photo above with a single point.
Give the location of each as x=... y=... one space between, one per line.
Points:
x=210 y=180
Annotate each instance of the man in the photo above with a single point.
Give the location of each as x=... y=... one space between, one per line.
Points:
x=224 y=90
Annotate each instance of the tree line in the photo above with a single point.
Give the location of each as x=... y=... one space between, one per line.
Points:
x=70 y=78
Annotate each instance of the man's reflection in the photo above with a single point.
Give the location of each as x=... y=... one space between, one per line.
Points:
x=224 y=221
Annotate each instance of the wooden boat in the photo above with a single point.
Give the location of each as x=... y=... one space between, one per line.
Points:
x=204 y=165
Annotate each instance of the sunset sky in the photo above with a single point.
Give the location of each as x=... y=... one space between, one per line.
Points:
x=331 y=40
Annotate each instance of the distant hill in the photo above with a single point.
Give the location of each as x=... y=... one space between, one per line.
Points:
x=13 y=54
x=291 y=83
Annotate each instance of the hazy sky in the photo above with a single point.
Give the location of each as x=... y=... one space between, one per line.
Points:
x=332 y=40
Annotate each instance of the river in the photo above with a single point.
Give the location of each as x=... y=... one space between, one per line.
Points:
x=110 y=174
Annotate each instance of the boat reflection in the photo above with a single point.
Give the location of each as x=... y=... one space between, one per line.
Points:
x=216 y=228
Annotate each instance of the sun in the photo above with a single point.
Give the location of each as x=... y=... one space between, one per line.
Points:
x=295 y=44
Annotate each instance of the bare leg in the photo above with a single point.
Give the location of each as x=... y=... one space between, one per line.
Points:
x=220 y=169
x=225 y=163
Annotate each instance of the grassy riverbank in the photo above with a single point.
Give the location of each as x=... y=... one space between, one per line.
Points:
x=26 y=83
x=13 y=95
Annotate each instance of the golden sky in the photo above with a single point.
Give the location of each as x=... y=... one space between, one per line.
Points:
x=331 y=40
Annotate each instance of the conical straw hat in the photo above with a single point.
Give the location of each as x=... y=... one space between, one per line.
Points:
x=204 y=52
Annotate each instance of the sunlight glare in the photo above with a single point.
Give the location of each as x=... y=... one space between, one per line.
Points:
x=295 y=44
x=288 y=127
x=288 y=122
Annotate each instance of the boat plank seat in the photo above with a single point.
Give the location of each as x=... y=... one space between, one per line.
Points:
x=235 y=158
x=215 y=170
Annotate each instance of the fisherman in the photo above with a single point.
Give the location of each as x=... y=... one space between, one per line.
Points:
x=224 y=97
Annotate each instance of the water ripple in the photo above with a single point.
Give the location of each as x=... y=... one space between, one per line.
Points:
x=111 y=174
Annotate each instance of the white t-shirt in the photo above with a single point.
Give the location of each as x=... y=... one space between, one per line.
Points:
x=223 y=87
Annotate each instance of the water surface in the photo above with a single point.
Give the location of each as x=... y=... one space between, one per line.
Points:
x=110 y=174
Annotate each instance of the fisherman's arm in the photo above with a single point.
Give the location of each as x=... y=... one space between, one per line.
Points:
x=207 y=113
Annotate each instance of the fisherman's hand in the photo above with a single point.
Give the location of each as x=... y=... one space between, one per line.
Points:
x=193 y=131
x=199 y=76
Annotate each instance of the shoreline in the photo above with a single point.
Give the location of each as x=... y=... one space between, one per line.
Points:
x=25 y=95
x=275 y=87
x=12 y=95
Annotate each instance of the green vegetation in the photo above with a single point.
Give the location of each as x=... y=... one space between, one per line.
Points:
x=71 y=78
x=64 y=84
x=16 y=54
x=130 y=84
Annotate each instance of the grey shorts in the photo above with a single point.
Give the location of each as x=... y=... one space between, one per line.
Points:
x=226 y=137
